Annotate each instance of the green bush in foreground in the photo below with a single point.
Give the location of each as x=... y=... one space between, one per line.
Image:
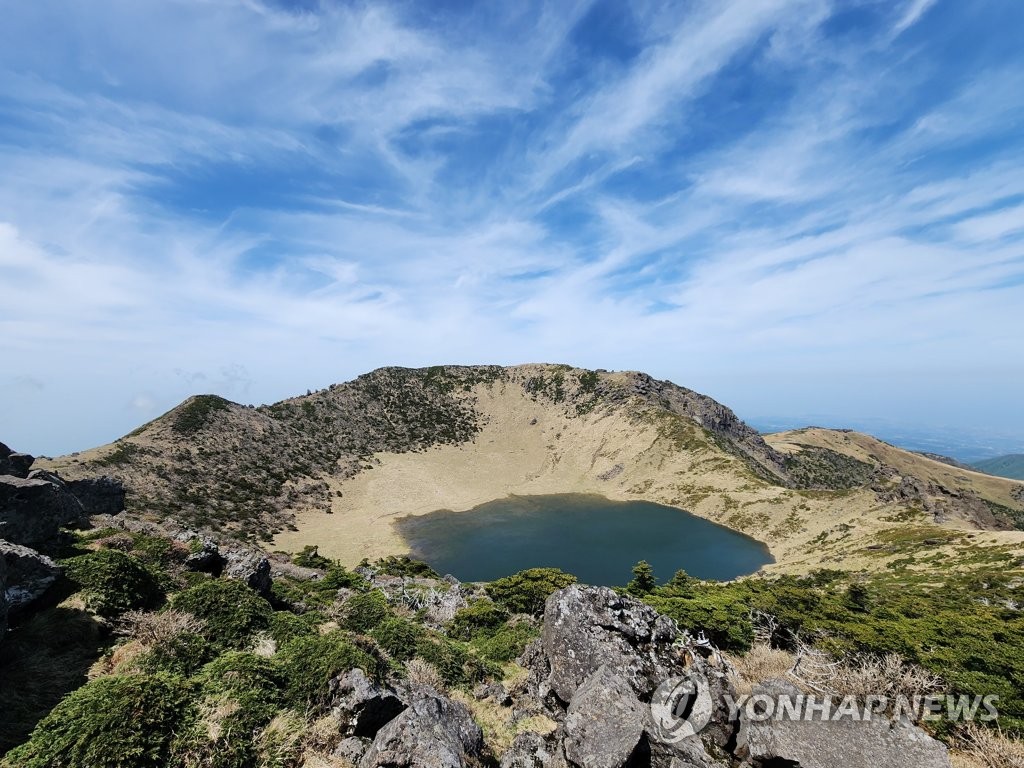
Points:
x=479 y=617
x=232 y=612
x=113 y=722
x=307 y=665
x=365 y=611
x=398 y=637
x=526 y=591
x=113 y=582
x=505 y=643
x=240 y=693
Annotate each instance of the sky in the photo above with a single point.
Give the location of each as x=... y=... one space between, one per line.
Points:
x=794 y=206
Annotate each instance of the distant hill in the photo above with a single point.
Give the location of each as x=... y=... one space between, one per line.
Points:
x=1011 y=466
x=338 y=467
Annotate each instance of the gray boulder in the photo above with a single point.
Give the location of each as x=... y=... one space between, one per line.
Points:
x=605 y=722
x=589 y=627
x=248 y=566
x=351 y=749
x=363 y=707
x=433 y=732
x=99 y=495
x=28 y=575
x=3 y=597
x=531 y=750
x=15 y=464
x=32 y=511
x=206 y=558
x=837 y=743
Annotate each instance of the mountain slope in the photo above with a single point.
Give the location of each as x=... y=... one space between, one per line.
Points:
x=1011 y=465
x=338 y=466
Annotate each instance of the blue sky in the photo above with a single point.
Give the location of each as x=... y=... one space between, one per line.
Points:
x=795 y=206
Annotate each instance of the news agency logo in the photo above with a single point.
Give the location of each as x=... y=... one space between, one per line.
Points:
x=681 y=707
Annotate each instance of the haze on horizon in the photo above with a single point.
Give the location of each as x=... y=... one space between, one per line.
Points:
x=794 y=206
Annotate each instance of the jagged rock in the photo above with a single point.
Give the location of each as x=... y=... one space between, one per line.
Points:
x=206 y=559
x=531 y=750
x=363 y=706
x=99 y=495
x=587 y=627
x=352 y=749
x=605 y=722
x=433 y=732
x=248 y=566
x=33 y=510
x=29 y=575
x=15 y=464
x=3 y=595
x=837 y=743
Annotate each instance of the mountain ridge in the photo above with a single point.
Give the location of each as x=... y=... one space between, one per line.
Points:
x=337 y=466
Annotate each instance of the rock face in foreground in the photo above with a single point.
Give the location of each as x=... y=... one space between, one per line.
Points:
x=33 y=510
x=844 y=742
x=34 y=506
x=603 y=658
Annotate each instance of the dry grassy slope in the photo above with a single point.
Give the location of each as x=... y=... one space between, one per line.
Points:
x=946 y=489
x=336 y=467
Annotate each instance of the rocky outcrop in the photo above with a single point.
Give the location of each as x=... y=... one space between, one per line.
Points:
x=589 y=627
x=432 y=731
x=14 y=464
x=249 y=566
x=29 y=575
x=3 y=596
x=33 y=510
x=630 y=689
x=98 y=495
x=364 y=707
x=837 y=742
x=605 y=722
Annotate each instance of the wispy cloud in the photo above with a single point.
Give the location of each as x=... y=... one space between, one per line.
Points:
x=775 y=201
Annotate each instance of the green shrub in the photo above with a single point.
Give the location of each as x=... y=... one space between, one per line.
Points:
x=307 y=665
x=309 y=557
x=233 y=613
x=181 y=655
x=506 y=643
x=240 y=693
x=526 y=591
x=404 y=565
x=285 y=626
x=365 y=611
x=643 y=579
x=112 y=722
x=113 y=582
x=239 y=672
x=479 y=617
x=398 y=637
x=453 y=661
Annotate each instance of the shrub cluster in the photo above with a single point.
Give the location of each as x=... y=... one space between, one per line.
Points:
x=526 y=591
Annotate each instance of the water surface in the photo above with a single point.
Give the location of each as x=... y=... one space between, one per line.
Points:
x=594 y=538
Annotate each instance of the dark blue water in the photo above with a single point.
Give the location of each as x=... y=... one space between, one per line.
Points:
x=597 y=540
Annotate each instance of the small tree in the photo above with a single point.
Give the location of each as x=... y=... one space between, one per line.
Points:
x=643 y=582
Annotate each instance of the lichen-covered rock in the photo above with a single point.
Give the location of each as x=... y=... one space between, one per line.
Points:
x=531 y=750
x=837 y=742
x=205 y=557
x=605 y=722
x=32 y=511
x=248 y=566
x=28 y=575
x=589 y=627
x=363 y=707
x=433 y=732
